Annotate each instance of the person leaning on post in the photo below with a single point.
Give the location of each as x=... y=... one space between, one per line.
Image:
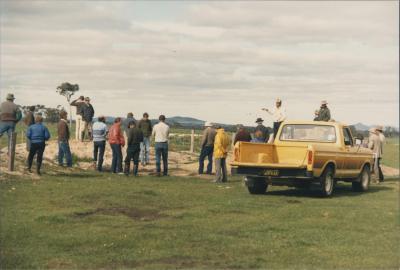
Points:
x=29 y=120
x=10 y=115
x=63 y=140
x=117 y=141
x=38 y=134
x=135 y=138
x=100 y=132
x=221 y=145
x=78 y=103
x=161 y=133
x=207 y=147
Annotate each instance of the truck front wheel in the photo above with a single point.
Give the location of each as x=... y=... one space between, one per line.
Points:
x=256 y=185
x=327 y=182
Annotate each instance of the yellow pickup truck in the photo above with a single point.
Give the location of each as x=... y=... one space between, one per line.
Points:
x=303 y=154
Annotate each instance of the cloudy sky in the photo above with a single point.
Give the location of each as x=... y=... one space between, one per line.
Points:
x=216 y=61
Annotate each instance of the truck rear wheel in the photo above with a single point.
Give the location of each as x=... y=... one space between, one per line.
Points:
x=363 y=180
x=327 y=182
x=256 y=185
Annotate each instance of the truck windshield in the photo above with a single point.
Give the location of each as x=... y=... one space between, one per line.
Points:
x=297 y=132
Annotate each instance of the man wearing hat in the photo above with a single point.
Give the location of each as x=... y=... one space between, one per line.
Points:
x=10 y=114
x=379 y=130
x=87 y=116
x=374 y=143
x=278 y=115
x=324 y=112
x=263 y=129
x=207 y=147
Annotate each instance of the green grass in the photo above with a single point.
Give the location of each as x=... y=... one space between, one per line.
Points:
x=391 y=152
x=89 y=220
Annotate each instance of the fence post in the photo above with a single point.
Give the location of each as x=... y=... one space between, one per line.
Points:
x=192 y=141
x=11 y=151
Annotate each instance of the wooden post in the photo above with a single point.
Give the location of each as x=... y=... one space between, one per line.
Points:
x=11 y=151
x=192 y=141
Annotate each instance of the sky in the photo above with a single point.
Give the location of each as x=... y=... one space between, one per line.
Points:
x=215 y=61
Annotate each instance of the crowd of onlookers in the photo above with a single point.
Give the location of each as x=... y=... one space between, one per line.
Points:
x=135 y=136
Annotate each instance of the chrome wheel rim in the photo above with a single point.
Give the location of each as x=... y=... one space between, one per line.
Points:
x=328 y=183
x=364 y=180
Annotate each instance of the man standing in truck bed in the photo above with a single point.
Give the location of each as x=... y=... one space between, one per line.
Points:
x=278 y=115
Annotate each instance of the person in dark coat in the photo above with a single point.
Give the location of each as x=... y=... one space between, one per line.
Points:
x=87 y=116
x=324 y=112
x=29 y=121
x=242 y=135
x=135 y=137
x=38 y=134
x=63 y=140
x=263 y=129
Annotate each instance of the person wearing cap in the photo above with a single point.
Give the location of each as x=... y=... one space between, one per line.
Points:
x=135 y=138
x=278 y=115
x=10 y=115
x=207 y=147
x=374 y=143
x=63 y=140
x=242 y=135
x=146 y=127
x=38 y=134
x=78 y=103
x=87 y=116
x=324 y=113
x=221 y=145
x=262 y=128
x=160 y=133
x=316 y=115
x=100 y=132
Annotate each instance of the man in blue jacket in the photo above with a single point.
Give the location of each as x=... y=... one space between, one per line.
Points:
x=38 y=134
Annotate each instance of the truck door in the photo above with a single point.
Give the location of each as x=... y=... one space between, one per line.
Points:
x=350 y=159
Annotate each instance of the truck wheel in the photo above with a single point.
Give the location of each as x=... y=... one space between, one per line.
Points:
x=327 y=182
x=259 y=186
x=363 y=180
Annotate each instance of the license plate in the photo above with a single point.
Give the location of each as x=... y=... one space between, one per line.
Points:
x=271 y=172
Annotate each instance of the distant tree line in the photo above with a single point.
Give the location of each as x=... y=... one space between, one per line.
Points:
x=50 y=115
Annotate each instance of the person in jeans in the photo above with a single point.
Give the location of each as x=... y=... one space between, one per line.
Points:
x=10 y=115
x=117 y=141
x=207 y=148
x=135 y=138
x=78 y=103
x=87 y=116
x=145 y=126
x=29 y=121
x=161 y=133
x=63 y=140
x=100 y=131
x=221 y=145
x=38 y=134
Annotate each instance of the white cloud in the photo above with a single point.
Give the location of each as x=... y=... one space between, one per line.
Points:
x=216 y=61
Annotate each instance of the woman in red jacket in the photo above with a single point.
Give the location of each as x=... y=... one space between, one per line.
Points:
x=117 y=141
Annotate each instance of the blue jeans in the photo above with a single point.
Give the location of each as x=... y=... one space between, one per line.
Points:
x=206 y=151
x=98 y=154
x=145 y=150
x=116 y=164
x=63 y=149
x=162 y=152
x=9 y=127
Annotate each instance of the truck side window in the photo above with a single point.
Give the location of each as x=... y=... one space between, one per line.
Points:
x=347 y=137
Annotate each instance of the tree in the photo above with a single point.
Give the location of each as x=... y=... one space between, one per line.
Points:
x=68 y=90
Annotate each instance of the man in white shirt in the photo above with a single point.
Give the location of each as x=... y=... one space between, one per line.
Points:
x=278 y=115
x=160 y=133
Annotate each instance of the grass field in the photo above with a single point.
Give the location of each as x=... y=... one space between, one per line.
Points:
x=391 y=152
x=89 y=220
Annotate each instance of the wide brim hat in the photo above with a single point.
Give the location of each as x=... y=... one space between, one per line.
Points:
x=259 y=120
x=372 y=130
x=208 y=124
x=379 y=128
x=324 y=102
x=10 y=97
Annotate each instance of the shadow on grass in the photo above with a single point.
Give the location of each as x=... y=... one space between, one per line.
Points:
x=78 y=175
x=340 y=191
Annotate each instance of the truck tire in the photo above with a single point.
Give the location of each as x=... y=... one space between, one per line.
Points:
x=362 y=182
x=327 y=182
x=259 y=187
